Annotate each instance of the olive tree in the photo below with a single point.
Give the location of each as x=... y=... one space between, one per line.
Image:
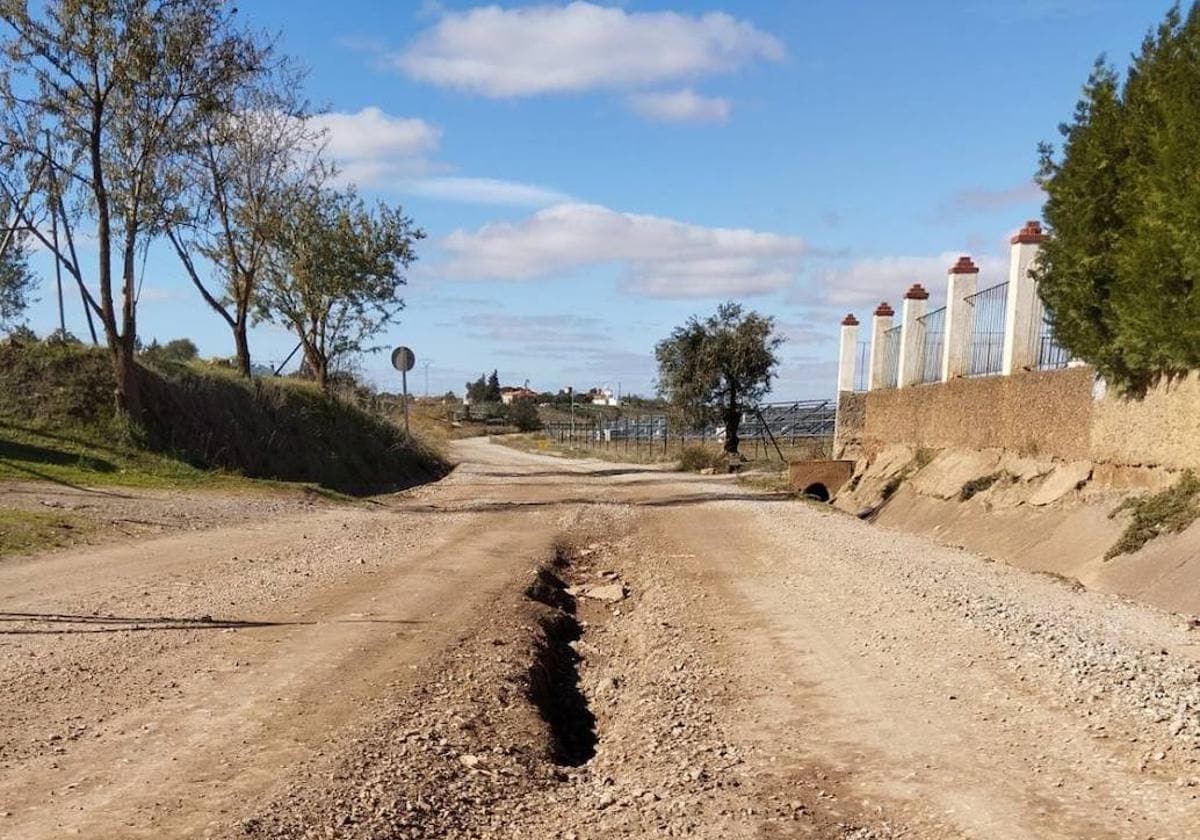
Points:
x=716 y=368
x=100 y=98
x=336 y=275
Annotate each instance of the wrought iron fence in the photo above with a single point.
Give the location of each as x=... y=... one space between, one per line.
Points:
x=1047 y=354
x=890 y=362
x=985 y=343
x=862 y=361
x=931 y=339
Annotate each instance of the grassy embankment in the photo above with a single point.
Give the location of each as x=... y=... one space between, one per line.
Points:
x=204 y=429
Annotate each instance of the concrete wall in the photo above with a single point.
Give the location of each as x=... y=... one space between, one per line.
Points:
x=1162 y=429
x=1045 y=413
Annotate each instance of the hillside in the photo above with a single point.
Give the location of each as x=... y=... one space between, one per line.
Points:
x=203 y=426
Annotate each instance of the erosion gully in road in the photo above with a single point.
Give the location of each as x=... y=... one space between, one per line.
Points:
x=539 y=648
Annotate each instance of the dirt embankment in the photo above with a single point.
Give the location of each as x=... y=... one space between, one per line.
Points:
x=1059 y=517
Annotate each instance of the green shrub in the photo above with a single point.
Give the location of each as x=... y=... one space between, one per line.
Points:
x=1168 y=512
x=978 y=485
x=694 y=458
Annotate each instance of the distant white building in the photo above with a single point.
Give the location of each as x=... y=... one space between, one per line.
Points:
x=603 y=396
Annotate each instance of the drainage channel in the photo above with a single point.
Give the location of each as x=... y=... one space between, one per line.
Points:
x=554 y=674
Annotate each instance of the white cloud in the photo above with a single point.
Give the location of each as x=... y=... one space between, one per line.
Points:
x=681 y=106
x=487 y=191
x=866 y=282
x=663 y=257
x=372 y=134
x=541 y=49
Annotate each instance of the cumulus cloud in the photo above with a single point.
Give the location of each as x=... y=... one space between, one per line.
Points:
x=681 y=106
x=372 y=134
x=375 y=149
x=531 y=50
x=866 y=282
x=662 y=257
x=487 y=191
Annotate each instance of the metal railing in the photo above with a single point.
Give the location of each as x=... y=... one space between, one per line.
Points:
x=931 y=338
x=862 y=364
x=985 y=344
x=890 y=362
x=1047 y=354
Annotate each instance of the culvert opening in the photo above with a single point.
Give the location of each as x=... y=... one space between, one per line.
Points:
x=554 y=690
x=817 y=491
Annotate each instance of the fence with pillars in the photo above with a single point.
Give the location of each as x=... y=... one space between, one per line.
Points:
x=979 y=332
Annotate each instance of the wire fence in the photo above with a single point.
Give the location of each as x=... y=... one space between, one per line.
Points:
x=931 y=341
x=774 y=431
x=890 y=361
x=986 y=309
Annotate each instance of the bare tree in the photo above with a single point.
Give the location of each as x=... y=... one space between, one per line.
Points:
x=100 y=98
x=247 y=168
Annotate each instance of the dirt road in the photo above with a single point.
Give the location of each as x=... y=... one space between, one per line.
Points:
x=695 y=660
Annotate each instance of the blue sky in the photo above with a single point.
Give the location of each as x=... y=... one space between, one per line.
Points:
x=591 y=174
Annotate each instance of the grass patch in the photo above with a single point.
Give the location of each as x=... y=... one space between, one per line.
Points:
x=24 y=532
x=203 y=427
x=978 y=485
x=1168 y=512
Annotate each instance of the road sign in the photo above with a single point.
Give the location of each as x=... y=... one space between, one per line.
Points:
x=403 y=359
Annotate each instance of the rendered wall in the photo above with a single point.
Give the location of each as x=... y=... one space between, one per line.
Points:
x=1162 y=429
x=1047 y=413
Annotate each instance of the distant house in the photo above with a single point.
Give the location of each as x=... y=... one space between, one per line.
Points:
x=603 y=396
x=508 y=396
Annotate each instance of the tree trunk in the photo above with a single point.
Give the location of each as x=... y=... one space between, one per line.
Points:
x=733 y=420
x=128 y=394
x=242 y=345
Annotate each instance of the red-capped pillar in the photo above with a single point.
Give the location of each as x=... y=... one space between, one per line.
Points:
x=962 y=281
x=912 y=357
x=1022 y=326
x=881 y=322
x=848 y=353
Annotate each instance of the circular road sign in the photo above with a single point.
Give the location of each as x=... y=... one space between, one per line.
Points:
x=403 y=359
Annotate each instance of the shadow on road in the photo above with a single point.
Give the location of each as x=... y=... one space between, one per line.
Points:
x=126 y=624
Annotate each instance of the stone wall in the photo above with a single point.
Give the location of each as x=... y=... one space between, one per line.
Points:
x=1162 y=429
x=851 y=418
x=1046 y=413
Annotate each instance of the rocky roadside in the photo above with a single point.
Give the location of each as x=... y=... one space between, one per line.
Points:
x=588 y=706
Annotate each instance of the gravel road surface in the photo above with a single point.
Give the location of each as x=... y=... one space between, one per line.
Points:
x=539 y=648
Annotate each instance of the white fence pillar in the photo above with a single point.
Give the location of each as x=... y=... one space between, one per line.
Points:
x=912 y=337
x=1020 y=331
x=961 y=283
x=880 y=323
x=848 y=354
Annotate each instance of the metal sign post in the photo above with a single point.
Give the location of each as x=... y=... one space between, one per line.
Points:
x=403 y=360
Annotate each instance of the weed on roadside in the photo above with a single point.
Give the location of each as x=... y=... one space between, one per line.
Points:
x=978 y=485
x=1168 y=512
